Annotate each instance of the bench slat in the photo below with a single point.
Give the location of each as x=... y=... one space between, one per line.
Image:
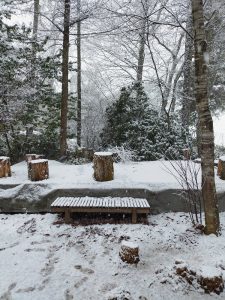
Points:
x=104 y=202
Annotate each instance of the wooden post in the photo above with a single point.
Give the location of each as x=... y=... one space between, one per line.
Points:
x=5 y=167
x=134 y=216
x=103 y=166
x=38 y=169
x=221 y=168
x=67 y=216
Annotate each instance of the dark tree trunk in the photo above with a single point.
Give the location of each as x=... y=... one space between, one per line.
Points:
x=78 y=75
x=187 y=97
x=65 y=70
x=36 y=18
x=30 y=104
x=141 y=52
x=205 y=121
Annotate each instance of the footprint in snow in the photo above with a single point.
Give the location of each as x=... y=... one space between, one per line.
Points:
x=68 y=296
x=108 y=287
x=80 y=282
x=7 y=295
x=84 y=270
x=49 y=266
x=35 y=250
x=26 y=290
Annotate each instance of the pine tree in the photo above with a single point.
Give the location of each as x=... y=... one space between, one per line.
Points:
x=21 y=104
x=131 y=123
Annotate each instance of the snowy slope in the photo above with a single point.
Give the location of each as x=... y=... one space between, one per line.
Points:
x=40 y=260
x=152 y=174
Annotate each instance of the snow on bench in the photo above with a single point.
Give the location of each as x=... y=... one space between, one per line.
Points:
x=68 y=205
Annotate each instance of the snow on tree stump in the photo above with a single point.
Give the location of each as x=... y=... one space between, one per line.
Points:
x=5 y=166
x=33 y=156
x=103 y=166
x=221 y=168
x=129 y=252
x=187 y=154
x=211 y=280
x=38 y=169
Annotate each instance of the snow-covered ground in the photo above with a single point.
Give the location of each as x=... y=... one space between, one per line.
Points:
x=152 y=175
x=129 y=174
x=42 y=260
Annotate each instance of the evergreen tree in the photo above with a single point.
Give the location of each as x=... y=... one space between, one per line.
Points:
x=24 y=105
x=131 y=123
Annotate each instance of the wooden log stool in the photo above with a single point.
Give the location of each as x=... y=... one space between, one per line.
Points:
x=5 y=167
x=38 y=169
x=221 y=168
x=103 y=166
x=129 y=252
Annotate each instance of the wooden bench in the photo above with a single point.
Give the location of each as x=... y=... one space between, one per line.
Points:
x=68 y=205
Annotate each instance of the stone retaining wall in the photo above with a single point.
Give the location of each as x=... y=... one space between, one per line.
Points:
x=29 y=201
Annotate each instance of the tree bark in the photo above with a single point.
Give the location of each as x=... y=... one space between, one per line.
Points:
x=36 y=18
x=78 y=76
x=65 y=70
x=205 y=121
x=30 y=105
x=141 y=52
x=5 y=167
x=187 y=99
x=129 y=252
x=103 y=166
x=38 y=169
x=172 y=71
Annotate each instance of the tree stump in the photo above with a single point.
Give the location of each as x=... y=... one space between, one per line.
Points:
x=103 y=166
x=212 y=283
x=38 y=169
x=129 y=252
x=221 y=168
x=5 y=167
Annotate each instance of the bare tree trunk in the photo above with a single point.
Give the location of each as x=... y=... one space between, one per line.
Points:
x=187 y=95
x=173 y=99
x=168 y=87
x=141 y=53
x=78 y=76
x=30 y=104
x=36 y=18
x=205 y=121
x=65 y=70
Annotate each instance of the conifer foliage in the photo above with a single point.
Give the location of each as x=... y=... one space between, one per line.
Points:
x=28 y=104
x=131 y=123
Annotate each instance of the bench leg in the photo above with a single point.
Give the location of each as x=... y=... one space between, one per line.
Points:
x=67 y=216
x=134 y=216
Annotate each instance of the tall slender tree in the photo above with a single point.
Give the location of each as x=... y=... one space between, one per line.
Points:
x=65 y=70
x=78 y=74
x=205 y=120
x=187 y=98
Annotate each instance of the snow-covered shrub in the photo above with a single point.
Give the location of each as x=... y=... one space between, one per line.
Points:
x=219 y=151
x=122 y=154
x=131 y=123
x=79 y=155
